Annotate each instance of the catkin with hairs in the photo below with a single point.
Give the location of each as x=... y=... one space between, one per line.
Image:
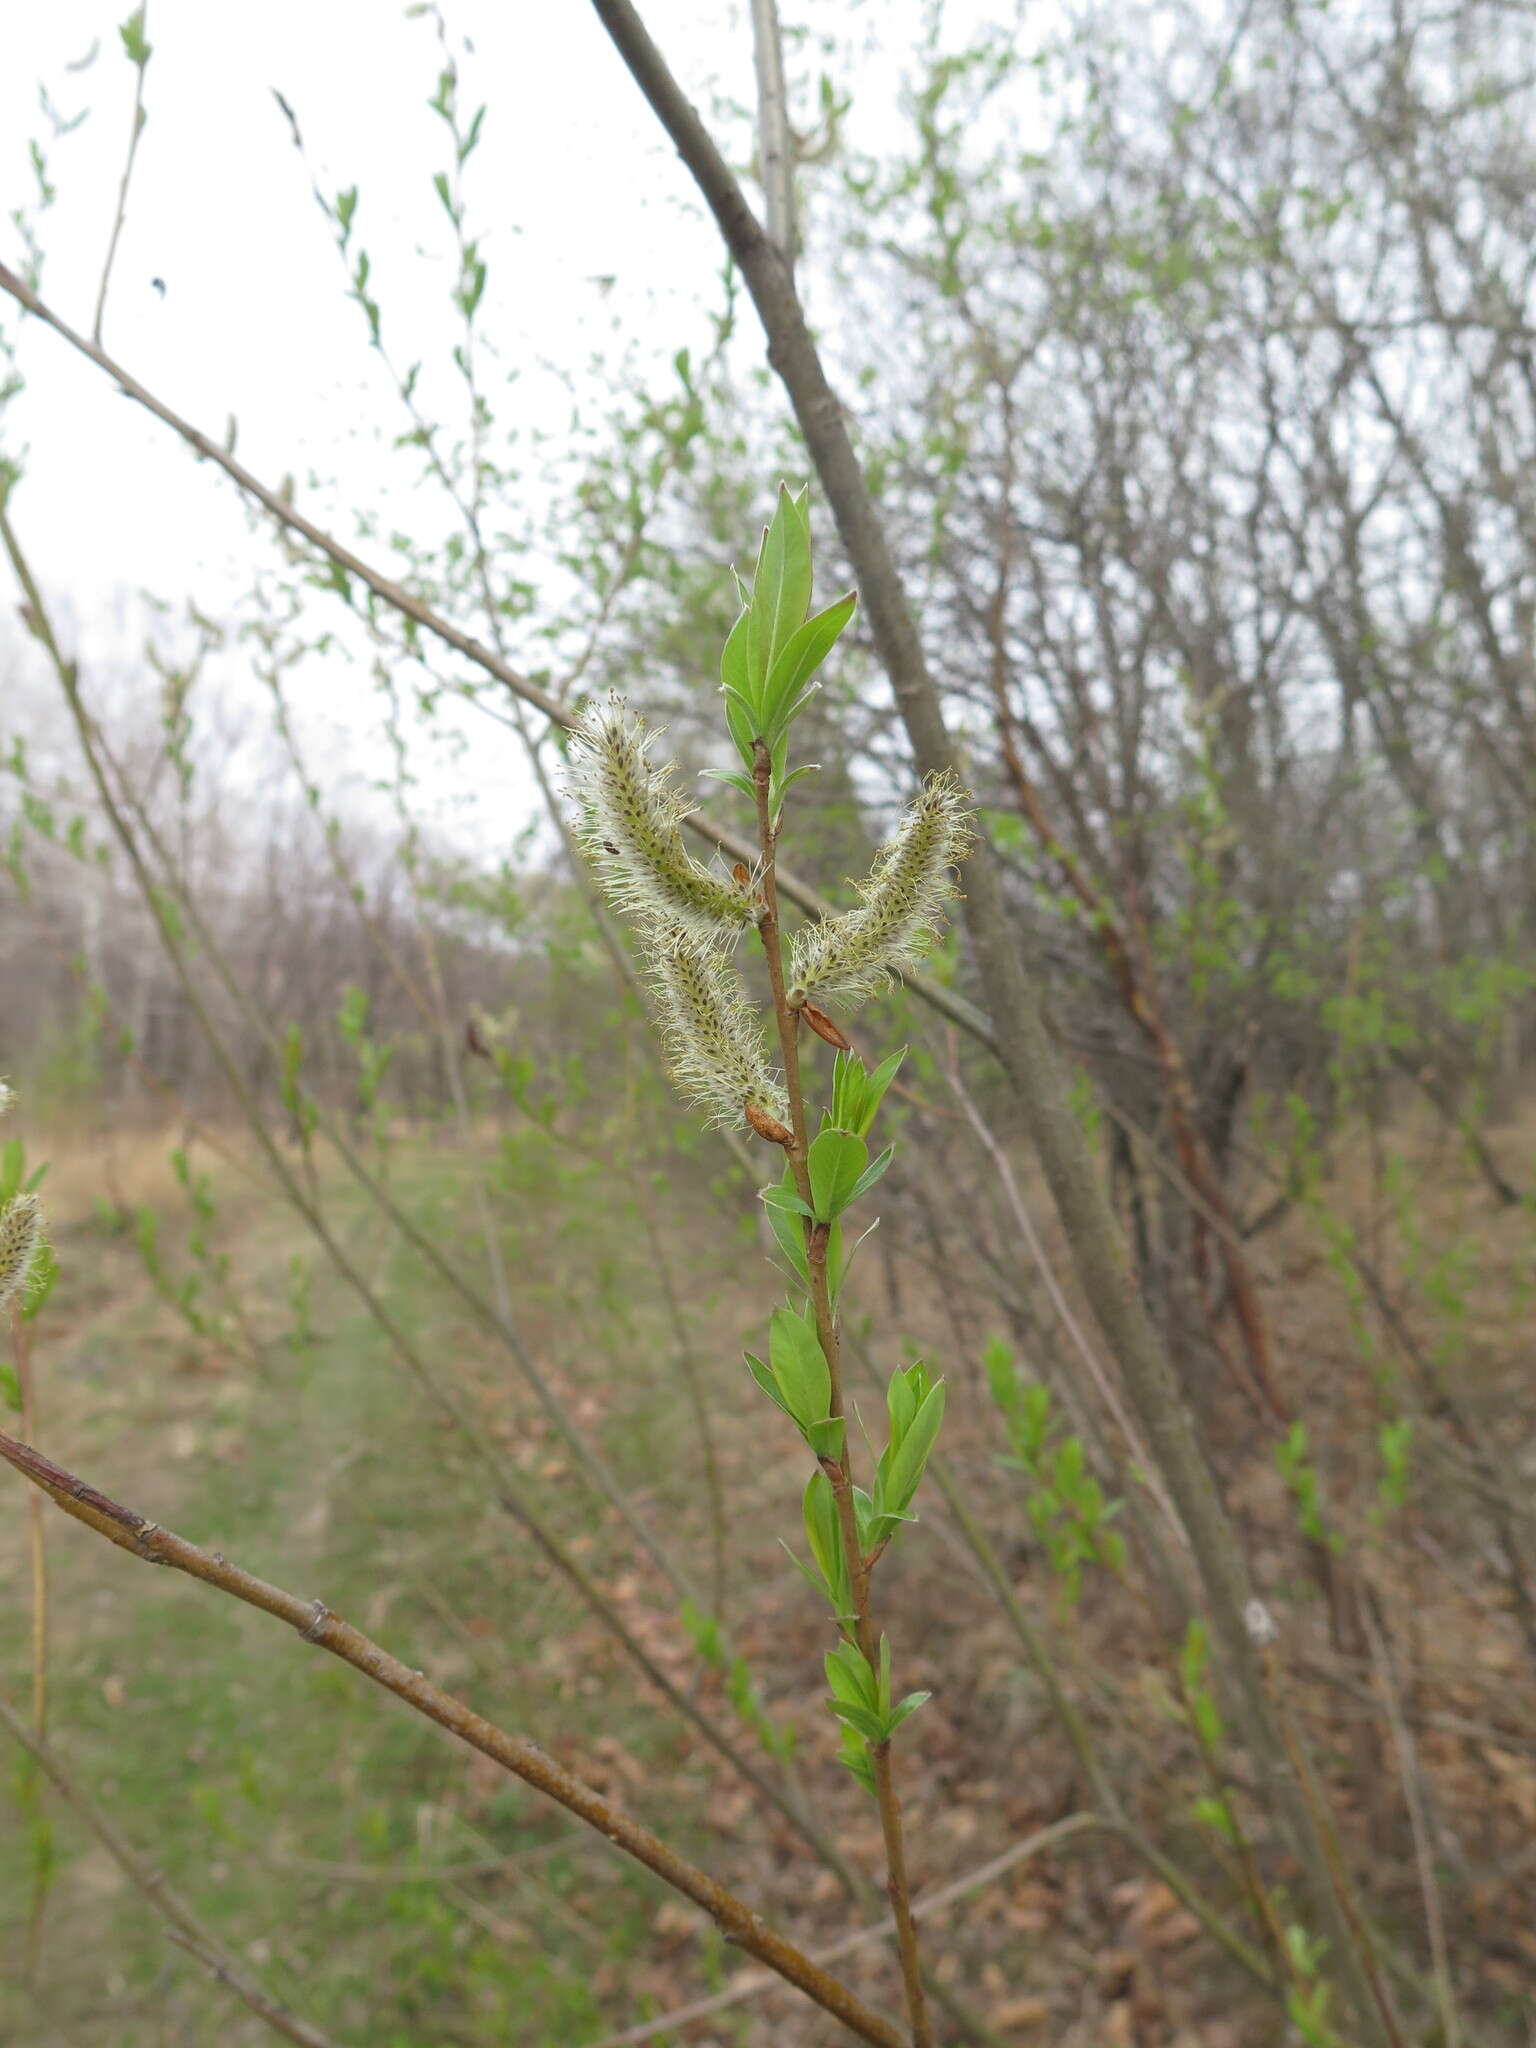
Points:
x=21 y=1230
x=629 y=820
x=847 y=959
x=713 y=1040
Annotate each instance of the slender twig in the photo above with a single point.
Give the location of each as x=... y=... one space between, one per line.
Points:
x=749 y=1985
x=37 y=1546
x=775 y=140
x=315 y=1622
x=1097 y=1371
x=1075 y=1728
x=836 y=1469
x=1418 y=1818
x=182 y=1921
x=121 y=214
x=26 y=1381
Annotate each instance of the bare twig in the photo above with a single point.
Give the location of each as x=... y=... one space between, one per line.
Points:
x=1097 y=1371
x=315 y=1622
x=140 y=19
x=37 y=1547
x=1418 y=1817
x=775 y=143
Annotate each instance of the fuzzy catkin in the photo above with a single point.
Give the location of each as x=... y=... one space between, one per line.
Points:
x=21 y=1230
x=849 y=958
x=714 y=1041
x=629 y=819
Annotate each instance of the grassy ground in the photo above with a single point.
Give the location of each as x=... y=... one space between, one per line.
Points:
x=289 y=1801
x=394 y=1890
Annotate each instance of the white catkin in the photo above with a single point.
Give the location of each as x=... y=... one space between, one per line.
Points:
x=713 y=1038
x=847 y=959
x=629 y=819
x=21 y=1231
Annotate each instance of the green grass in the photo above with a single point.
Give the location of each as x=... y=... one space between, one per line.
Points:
x=238 y=1758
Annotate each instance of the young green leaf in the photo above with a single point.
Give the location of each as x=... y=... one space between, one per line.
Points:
x=781 y=588
x=837 y=1162
x=799 y=1366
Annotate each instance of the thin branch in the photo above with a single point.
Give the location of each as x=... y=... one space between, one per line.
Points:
x=1418 y=1817
x=775 y=142
x=121 y=215
x=183 y=1922
x=316 y=1624
x=1097 y=1371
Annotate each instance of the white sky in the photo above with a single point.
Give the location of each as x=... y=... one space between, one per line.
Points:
x=571 y=183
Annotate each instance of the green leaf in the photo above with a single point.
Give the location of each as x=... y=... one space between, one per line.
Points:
x=802 y=654
x=875 y=1171
x=743 y=721
x=837 y=1161
x=137 y=50
x=912 y=1453
x=800 y=1367
x=868 y=1723
x=734 y=777
x=767 y=1382
x=13 y=1161
x=872 y=1092
x=781 y=588
x=826 y=1438
x=818 y=1511
x=849 y=1675
x=741 y=713
x=901 y=1403
x=790 y=1238
x=906 y=1709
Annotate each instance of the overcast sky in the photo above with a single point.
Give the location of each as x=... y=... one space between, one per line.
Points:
x=592 y=239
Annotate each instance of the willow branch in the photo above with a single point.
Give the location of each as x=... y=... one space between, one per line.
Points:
x=837 y=1469
x=315 y=1623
